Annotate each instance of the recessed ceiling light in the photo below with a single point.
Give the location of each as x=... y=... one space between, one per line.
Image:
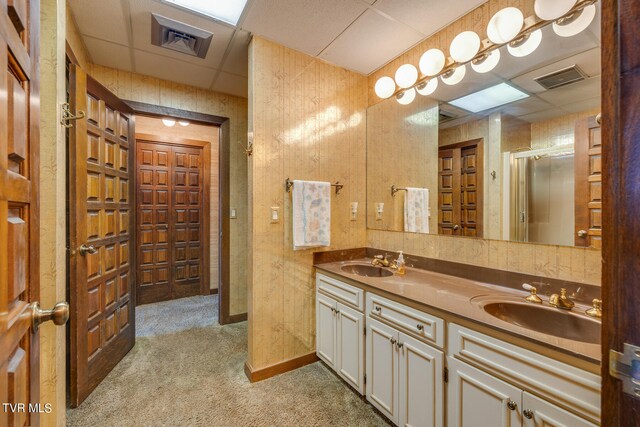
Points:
x=488 y=98
x=228 y=11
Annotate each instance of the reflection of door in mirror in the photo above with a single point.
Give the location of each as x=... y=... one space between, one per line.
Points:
x=588 y=182
x=460 y=188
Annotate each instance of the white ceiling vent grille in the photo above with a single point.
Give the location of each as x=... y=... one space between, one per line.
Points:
x=445 y=116
x=561 y=77
x=180 y=37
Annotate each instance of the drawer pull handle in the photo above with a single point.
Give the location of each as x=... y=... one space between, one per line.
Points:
x=333 y=309
x=393 y=341
x=399 y=345
x=528 y=414
x=420 y=327
x=512 y=405
x=378 y=309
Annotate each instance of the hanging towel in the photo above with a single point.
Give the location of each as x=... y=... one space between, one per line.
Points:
x=416 y=210
x=311 y=214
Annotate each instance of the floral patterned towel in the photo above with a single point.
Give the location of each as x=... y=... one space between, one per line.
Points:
x=311 y=214
x=416 y=210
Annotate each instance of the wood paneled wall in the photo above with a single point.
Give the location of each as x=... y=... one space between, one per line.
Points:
x=476 y=20
x=136 y=87
x=308 y=122
x=74 y=39
x=154 y=126
x=557 y=131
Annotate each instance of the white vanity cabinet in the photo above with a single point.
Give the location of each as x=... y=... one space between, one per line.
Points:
x=340 y=329
x=404 y=374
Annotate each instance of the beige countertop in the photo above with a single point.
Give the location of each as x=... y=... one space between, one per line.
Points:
x=464 y=298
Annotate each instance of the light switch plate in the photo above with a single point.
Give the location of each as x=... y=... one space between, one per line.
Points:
x=379 y=211
x=354 y=211
x=234 y=213
x=275 y=214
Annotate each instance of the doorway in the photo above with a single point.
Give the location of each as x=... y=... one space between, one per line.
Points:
x=175 y=213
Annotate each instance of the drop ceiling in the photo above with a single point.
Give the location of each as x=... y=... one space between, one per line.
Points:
x=360 y=35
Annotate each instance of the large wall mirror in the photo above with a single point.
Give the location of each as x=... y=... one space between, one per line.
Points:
x=511 y=154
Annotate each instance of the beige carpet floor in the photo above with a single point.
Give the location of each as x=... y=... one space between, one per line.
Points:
x=187 y=370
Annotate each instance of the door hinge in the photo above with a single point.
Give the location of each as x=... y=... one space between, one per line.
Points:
x=445 y=375
x=625 y=366
x=364 y=331
x=364 y=379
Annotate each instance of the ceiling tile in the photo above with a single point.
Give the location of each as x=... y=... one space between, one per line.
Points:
x=237 y=61
x=370 y=42
x=231 y=84
x=101 y=19
x=551 y=113
x=426 y=16
x=172 y=69
x=305 y=25
x=141 y=24
x=584 y=105
x=109 y=54
x=574 y=92
x=526 y=106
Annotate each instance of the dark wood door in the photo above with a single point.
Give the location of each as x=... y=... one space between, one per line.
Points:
x=588 y=183
x=171 y=222
x=621 y=203
x=460 y=189
x=101 y=216
x=19 y=244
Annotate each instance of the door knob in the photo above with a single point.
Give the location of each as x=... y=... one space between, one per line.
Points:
x=455 y=227
x=528 y=414
x=59 y=314
x=582 y=233
x=512 y=405
x=87 y=249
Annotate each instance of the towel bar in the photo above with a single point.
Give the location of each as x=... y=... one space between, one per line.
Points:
x=395 y=189
x=289 y=184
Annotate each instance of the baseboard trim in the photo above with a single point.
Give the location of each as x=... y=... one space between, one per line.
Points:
x=213 y=291
x=279 y=368
x=235 y=318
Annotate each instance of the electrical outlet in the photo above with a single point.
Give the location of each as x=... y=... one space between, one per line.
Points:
x=275 y=214
x=354 y=211
x=379 y=211
x=234 y=213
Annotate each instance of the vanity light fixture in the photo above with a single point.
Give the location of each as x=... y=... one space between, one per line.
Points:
x=505 y=25
x=550 y=10
x=489 y=98
x=385 y=87
x=228 y=11
x=406 y=76
x=455 y=76
x=427 y=87
x=464 y=46
x=169 y=122
x=183 y=123
x=406 y=97
x=487 y=62
x=432 y=62
x=526 y=44
x=575 y=23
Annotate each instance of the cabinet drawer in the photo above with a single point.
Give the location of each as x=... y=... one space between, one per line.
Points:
x=340 y=291
x=567 y=386
x=425 y=326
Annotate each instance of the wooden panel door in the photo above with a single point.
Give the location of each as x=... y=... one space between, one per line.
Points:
x=421 y=385
x=382 y=368
x=539 y=413
x=19 y=243
x=350 y=339
x=172 y=228
x=460 y=189
x=588 y=183
x=101 y=217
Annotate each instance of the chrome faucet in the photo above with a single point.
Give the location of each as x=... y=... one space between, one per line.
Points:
x=561 y=301
x=380 y=260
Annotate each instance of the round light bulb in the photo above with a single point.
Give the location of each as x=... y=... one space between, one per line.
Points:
x=385 y=86
x=406 y=96
x=406 y=75
x=183 y=123
x=486 y=63
x=550 y=10
x=454 y=76
x=576 y=23
x=427 y=88
x=169 y=122
x=505 y=25
x=464 y=46
x=432 y=62
x=526 y=45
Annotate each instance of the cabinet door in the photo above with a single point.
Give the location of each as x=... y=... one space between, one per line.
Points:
x=421 y=385
x=539 y=413
x=350 y=354
x=382 y=368
x=326 y=329
x=476 y=399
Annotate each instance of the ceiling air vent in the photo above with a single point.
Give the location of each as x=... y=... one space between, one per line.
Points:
x=561 y=77
x=180 y=37
x=445 y=116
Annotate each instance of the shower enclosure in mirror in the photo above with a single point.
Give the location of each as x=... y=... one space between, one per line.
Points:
x=511 y=154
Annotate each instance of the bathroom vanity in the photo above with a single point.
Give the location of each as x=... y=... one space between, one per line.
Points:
x=433 y=349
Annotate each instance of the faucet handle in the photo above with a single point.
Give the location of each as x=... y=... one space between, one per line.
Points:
x=533 y=297
x=596 y=310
